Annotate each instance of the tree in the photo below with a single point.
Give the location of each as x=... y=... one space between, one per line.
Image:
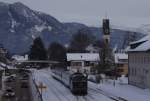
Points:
x=57 y=52
x=81 y=40
x=106 y=63
x=98 y=44
x=128 y=38
x=37 y=50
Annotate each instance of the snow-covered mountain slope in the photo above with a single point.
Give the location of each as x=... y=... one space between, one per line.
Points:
x=20 y=25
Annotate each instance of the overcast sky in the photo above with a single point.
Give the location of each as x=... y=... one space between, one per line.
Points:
x=128 y=13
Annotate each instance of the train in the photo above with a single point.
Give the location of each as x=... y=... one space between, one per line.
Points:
x=76 y=82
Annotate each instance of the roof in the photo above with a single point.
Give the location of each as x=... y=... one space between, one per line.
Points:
x=120 y=56
x=2 y=65
x=18 y=57
x=144 y=44
x=83 y=57
x=147 y=37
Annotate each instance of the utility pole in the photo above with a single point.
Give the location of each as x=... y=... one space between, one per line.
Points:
x=41 y=87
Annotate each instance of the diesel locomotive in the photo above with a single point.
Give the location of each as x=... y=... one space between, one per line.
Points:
x=76 y=82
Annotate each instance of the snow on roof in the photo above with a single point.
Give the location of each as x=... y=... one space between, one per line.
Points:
x=2 y=65
x=146 y=38
x=145 y=46
x=83 y=57
x=18 y=57
x=120 y=56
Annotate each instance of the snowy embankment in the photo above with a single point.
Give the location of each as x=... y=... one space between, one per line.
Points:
x=123 y=90
x=55 y=91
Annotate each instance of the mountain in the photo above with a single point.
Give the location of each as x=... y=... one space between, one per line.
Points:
x=145 y=28
x=20 y=25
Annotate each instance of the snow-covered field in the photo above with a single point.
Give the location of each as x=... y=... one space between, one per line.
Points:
x=55 y=91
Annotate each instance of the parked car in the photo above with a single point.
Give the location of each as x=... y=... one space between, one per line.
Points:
x=10 y=79
x=9 y=93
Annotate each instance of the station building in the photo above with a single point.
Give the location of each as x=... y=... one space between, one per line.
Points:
x=82 y=61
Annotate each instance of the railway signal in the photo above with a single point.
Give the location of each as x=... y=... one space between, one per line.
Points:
x=41 y=87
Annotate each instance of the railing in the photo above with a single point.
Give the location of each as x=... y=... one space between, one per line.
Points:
x=36 y=95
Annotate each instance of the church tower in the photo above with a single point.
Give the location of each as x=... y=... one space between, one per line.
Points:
x=106 y=55
x=106 y=32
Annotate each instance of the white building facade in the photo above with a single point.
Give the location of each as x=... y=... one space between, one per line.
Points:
x=121 y=61
x=82 y=61
x=139 y=63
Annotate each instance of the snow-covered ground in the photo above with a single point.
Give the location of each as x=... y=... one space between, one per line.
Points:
x=55 y=91
x=123 y=90
x=106 y=91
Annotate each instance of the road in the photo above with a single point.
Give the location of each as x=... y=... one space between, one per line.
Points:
x=21 y=93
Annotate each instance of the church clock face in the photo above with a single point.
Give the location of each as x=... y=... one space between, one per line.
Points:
x=106 y=26
x=107 y=31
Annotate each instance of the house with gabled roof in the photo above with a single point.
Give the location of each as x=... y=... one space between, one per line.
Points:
x=82 y=61
x=139 y=62
x=121 y=62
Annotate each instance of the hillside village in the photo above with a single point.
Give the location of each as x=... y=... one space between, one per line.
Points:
x=59 y=61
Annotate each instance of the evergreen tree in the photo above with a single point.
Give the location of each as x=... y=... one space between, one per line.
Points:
x=106 y=64
x=81 y=40
x=57 y=52
x=37 y=50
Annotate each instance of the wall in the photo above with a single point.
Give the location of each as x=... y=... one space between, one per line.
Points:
x=139 y=69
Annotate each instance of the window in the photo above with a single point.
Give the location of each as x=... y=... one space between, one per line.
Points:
x=87 y=63
x=68 y=63
x=120 y=70
x=123 y=60
x=120 y=65
x=146 y=71
x=76 y=64
x=135 y=72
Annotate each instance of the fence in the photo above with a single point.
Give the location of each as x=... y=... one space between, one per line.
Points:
x=36 y=95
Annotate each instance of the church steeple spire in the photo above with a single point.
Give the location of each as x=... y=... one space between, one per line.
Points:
x=106 y=31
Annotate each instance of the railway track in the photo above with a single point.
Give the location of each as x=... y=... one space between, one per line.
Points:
x=89 y=97
x=61 y=96
x=61 y=93
x=109 y=95
x=82 y=98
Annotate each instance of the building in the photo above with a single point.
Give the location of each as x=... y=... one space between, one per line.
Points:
x=106 y=32
x=82 y=61
x=139 y=63
x=106 y=53
x=92 y=49
x=121 y=61
x=3 y=51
